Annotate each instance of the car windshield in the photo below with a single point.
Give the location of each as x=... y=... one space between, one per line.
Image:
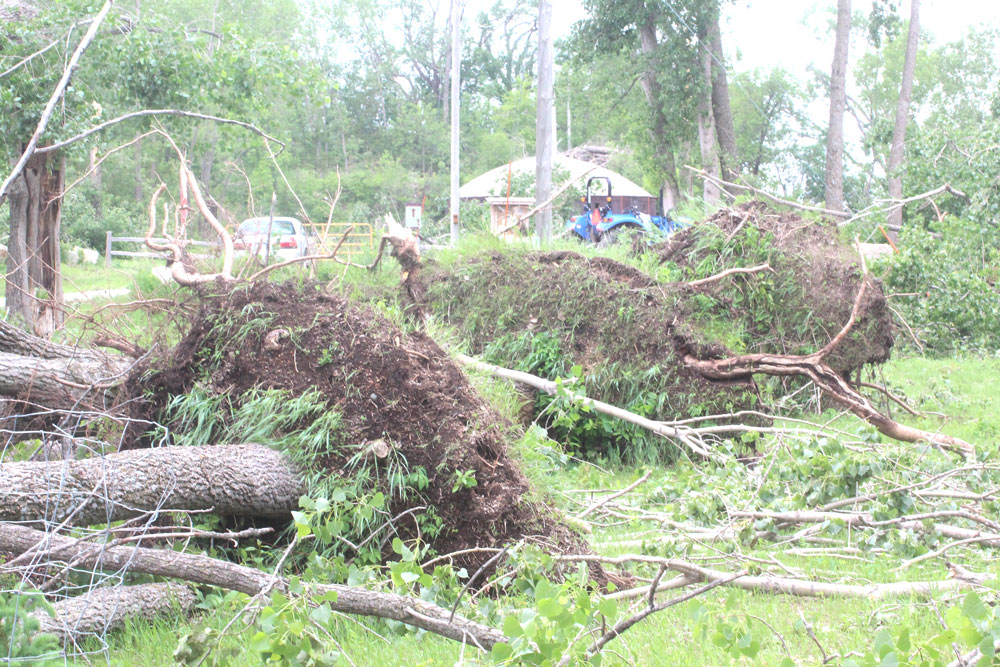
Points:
x=260 y=225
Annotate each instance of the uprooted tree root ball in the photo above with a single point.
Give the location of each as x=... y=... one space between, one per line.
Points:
x=403 y=419
x=630 y=330
x=796 y=307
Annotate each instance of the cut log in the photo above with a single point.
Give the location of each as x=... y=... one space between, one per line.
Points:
x=104 y=609
x=56 y=376
x=236 y=480
x=201 y=569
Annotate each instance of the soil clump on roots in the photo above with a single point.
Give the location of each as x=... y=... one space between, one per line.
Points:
x=809 y=294
x=401 y=402
x=628 y=327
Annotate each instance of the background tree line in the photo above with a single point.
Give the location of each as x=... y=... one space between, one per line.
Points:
x=358 y=91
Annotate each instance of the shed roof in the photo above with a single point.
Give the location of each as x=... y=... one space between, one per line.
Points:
x=492 y=183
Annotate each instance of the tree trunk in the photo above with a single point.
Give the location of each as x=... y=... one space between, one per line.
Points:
x=33 y=262
x=104 y=609
x=721 y=109
x=895 y=163
x=235 y=480
x=544 y=116
x=706 y=129
x=137 y=186
x=838 y=100
x=57 y=376
x=670 y=192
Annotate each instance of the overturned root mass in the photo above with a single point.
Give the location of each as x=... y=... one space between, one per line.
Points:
x=405 y=411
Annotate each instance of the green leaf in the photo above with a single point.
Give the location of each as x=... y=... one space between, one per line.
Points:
x=973 y=607
x=321 y=614
x=501 y=652
x=550 y=608
x=512 y=626
x=903 y=643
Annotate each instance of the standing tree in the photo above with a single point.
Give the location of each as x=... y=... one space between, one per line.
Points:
x=838 y=99
x=895 y=163
x=706 y=125
x=721 y=108
x=544 y=117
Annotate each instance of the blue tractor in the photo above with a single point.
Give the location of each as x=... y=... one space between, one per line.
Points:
x=598 y=224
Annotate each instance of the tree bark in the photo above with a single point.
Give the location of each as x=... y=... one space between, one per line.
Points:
x=201 y=569
x=707 y=130
x=721 y=109
x=544 y=126
x=104 y=609
x=56 y=376
x=33 y=262
x=670 y=193
x=838 y=101
x=896 y=152
x=235 y=480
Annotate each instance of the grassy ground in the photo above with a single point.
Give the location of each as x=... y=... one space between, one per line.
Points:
x=956 y=395
x=694 y=633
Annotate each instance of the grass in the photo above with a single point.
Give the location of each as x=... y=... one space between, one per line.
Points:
x=88 y=277
x=692 y=633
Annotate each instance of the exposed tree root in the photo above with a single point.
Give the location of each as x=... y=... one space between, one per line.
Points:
x=200 y=569
x=812 y=367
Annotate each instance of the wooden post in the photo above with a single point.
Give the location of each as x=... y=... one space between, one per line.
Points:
x=107 y=250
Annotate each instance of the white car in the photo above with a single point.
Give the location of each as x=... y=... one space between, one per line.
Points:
x=288 y=238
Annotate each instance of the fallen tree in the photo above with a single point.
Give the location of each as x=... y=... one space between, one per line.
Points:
x=230 y=480
x=201 y=569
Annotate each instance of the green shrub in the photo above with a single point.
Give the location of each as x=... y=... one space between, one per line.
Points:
x=83 y=226
x=946 y=279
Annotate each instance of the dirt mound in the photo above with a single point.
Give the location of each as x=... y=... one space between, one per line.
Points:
x=546 y=312
x=806 y=300
x=394 y=391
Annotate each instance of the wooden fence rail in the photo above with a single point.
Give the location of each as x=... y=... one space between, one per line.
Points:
x=110 y=252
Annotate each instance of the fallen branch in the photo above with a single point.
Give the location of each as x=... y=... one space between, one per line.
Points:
x=683 y=434
x=917 y=523
x=617 y=494
x=892 y=397
x=772 y=584
x=200 y=569
x=728 y=272
x=562 y=188
x=701 y=173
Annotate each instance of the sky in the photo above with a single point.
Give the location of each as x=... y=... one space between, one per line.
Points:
x=795 y=34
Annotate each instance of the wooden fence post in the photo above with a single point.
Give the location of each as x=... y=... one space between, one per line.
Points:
x=107 y=250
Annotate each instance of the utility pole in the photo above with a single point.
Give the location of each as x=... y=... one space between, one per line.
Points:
x=544 y=122
x=456 y=68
